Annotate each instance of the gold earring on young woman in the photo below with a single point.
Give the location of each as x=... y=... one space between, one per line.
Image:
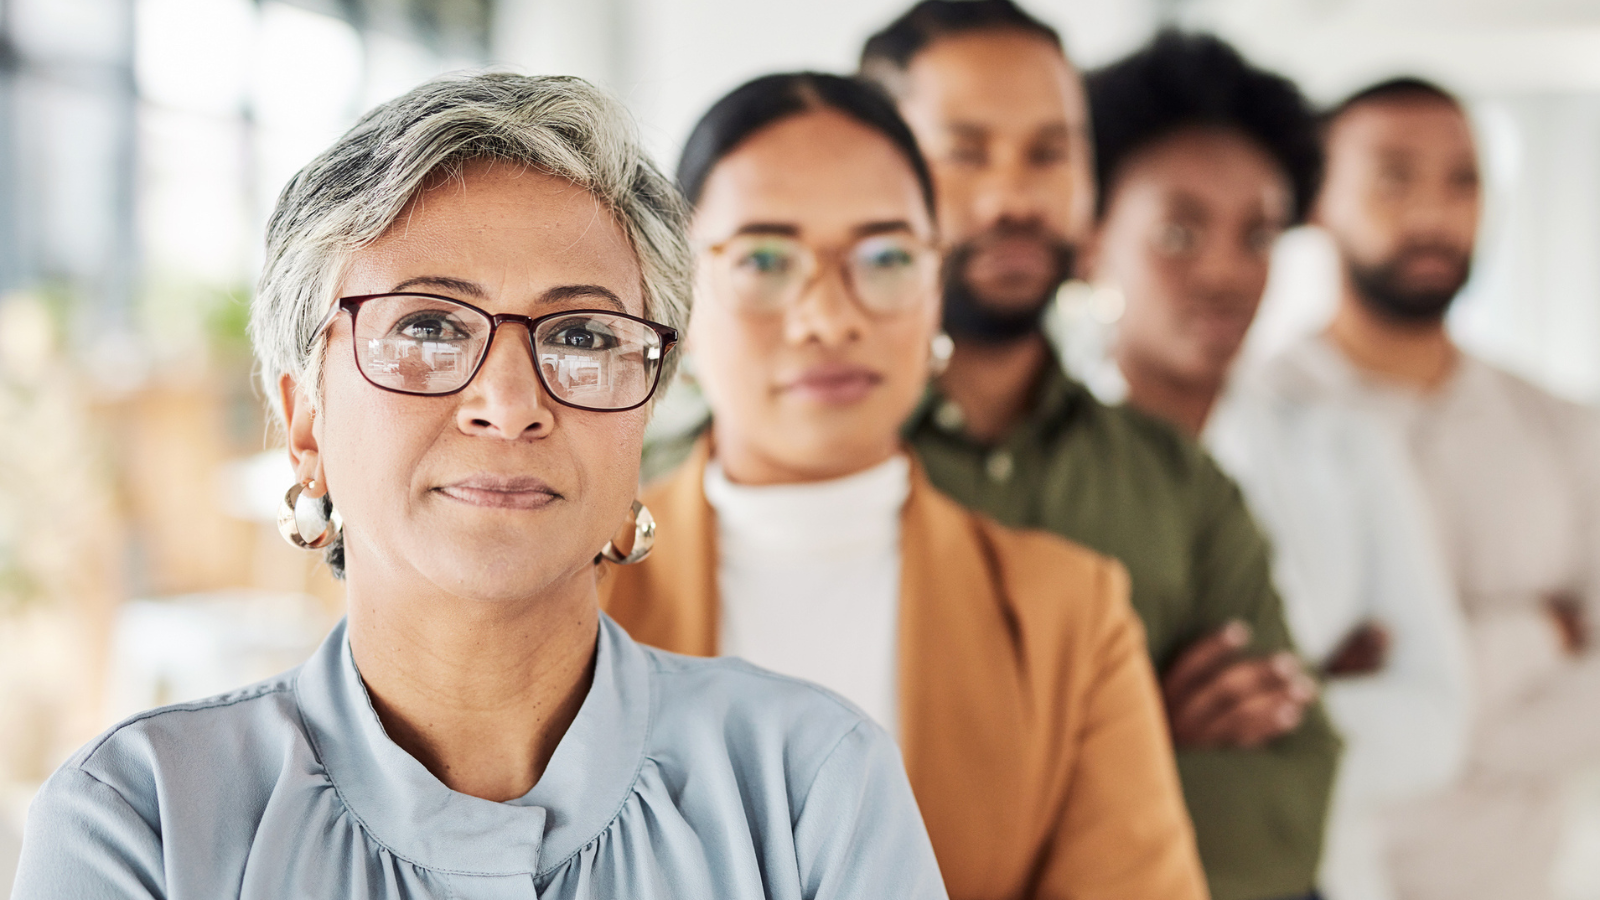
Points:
x=644 y=538
x=289 y=523
x=940 y=349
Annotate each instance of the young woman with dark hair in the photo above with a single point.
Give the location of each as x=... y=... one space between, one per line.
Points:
x=802 y=535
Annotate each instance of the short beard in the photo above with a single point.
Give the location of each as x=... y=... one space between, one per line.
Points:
x=968 y=316
x=1380 y=290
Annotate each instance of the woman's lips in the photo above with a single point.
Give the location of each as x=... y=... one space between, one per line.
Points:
x=1217 y=326
x=502 y=493
x=834 y=383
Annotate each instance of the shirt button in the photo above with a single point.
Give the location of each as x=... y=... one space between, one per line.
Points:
x=1000 y=466
x=949 y=416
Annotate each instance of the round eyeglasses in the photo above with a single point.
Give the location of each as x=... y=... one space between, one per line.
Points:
x=423 y=344
x=765 y=273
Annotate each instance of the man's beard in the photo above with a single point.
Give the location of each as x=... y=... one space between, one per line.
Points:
x=1380 y=286
x=967 y=316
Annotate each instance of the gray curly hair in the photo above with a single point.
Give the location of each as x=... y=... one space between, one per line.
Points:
x=351 y=194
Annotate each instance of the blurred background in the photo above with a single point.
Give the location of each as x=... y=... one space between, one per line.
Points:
x=143 y=142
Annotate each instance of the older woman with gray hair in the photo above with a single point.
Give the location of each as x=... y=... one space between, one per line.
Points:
x=476 y=727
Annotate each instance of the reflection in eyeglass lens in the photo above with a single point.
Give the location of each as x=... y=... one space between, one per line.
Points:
x=888 y=272
x=430 y=346
x=420 y=345
x=593 y=360
x=767 y=269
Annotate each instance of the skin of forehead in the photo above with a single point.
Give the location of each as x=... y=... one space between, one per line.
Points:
x=1002 y=80
x=1413 y=124
x=1426 y=133
x=771 y=178
x=1217 y=165
x=479 y=227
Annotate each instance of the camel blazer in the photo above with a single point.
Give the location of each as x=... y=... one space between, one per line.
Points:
x=1031 y=724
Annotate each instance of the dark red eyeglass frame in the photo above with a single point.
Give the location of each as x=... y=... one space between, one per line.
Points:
x=669 y=339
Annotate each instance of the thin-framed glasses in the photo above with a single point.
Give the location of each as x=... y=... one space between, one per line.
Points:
x=766 y=273
x=424 y=344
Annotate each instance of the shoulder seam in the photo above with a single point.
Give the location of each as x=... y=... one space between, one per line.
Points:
x=736 y=664
x=97 y=780
x=194 y=706
x=826 y=758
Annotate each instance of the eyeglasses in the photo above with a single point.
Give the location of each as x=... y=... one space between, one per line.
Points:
x=765 y=273
x=423 y=344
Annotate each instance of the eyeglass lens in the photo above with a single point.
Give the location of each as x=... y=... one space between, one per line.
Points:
x=427 y=345
x=765 y=273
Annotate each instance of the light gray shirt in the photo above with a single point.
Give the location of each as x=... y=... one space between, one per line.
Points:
x=679 y=777
x=1512 y=476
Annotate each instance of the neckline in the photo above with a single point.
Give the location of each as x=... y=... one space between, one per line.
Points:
x=1324 y=358
x=893 y=472
x=1058 y=399
x=853 y=515
x=404 y=808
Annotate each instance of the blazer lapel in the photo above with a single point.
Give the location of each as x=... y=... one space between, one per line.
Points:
x=962 y=690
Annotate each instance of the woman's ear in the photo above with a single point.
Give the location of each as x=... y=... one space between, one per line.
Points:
x=300 y=426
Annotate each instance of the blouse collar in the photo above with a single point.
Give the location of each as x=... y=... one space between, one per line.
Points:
x=402 y=806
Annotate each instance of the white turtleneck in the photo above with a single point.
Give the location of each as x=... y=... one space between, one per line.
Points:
x=809 y=577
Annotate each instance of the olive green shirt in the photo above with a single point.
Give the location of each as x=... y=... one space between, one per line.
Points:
x=1132 y=487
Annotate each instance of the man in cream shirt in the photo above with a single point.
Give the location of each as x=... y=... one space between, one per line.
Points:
x=1511 y=473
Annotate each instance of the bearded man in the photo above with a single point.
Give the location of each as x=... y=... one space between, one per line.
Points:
x=1512 y=475
x=1000 y=112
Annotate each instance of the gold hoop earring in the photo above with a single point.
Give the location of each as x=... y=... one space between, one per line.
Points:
x=289 y=524
x=644 y=538
x=940 y=349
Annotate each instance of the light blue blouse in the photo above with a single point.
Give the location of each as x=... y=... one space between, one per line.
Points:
x=680 y=777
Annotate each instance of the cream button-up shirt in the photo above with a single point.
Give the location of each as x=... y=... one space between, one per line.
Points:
x=1512 y=475
x=1352 y=543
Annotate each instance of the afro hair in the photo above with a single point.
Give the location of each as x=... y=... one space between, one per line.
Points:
x=1181 y=81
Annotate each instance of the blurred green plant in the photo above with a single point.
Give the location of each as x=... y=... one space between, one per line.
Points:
x=185 y=321
x=228 y=322
x=51 y=477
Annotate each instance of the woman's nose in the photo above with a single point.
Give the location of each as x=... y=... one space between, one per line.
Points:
x=506 y=400
x=1230 y=268
x=827 y=312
